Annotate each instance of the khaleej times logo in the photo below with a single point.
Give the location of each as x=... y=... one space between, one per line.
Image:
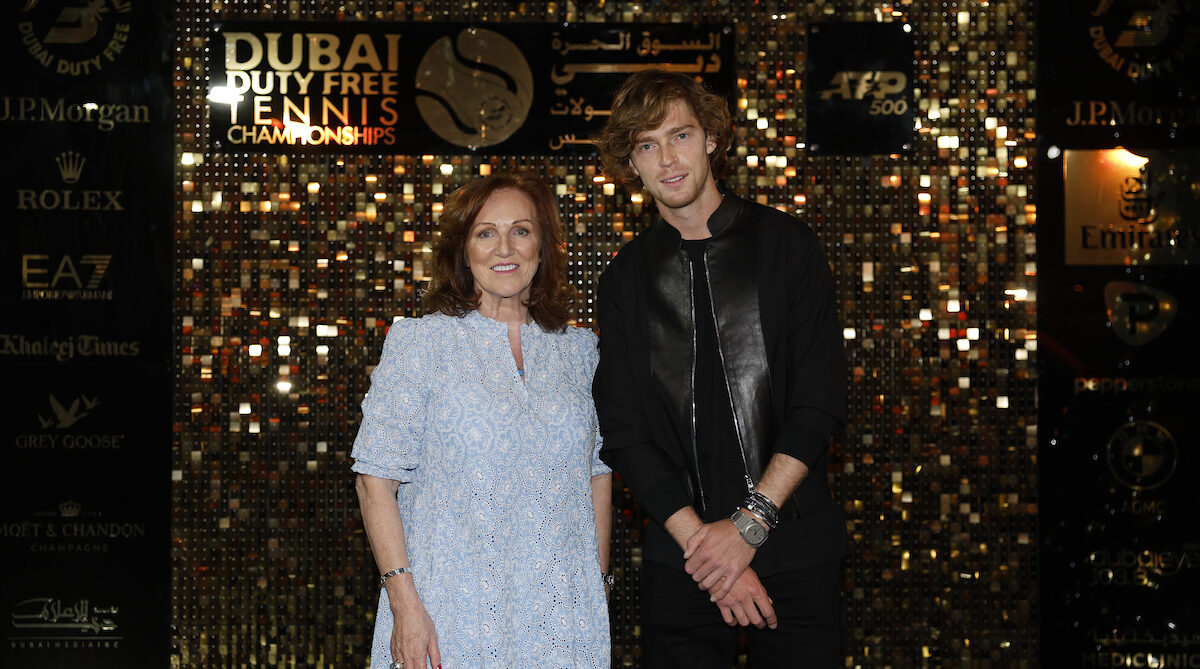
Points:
x=1138 y=313
x=883 y=88
x=1142 y=455
x=474 y=90
x=78 y=38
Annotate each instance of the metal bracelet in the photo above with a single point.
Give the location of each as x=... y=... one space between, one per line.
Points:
x=398 y=570
x=758 y=504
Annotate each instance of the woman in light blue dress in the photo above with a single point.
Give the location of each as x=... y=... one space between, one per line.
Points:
x=482 y=494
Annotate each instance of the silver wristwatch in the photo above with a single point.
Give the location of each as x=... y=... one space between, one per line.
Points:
x=750 y=529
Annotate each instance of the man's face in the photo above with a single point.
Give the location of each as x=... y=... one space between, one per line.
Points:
x=672 y=159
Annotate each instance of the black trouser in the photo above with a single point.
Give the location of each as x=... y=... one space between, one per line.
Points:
x=681 y=628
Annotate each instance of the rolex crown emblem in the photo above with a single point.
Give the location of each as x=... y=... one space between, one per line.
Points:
x=70 y=166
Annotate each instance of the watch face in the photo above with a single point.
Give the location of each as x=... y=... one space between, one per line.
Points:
x=755 y=533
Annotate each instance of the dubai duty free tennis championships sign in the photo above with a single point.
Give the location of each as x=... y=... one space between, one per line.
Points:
x=438 y=87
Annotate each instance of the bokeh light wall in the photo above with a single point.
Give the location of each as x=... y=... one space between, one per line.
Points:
x=289 y=269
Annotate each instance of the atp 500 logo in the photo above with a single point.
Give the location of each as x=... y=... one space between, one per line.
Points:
x=883 y=87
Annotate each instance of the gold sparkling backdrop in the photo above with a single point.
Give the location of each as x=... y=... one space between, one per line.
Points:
x=289 y=269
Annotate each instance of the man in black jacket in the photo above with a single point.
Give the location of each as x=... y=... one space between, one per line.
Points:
x=721 y=380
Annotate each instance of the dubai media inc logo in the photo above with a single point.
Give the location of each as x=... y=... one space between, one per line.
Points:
x=474 y=90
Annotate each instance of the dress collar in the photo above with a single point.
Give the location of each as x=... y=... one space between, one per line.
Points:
x=481 y=323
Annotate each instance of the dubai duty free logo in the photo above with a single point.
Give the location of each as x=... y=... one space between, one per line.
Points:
x=75 y=38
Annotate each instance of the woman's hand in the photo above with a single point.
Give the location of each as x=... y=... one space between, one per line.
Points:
x=413 y=635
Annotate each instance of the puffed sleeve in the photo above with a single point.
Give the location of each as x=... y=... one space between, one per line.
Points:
x=389 y=440
x=591 y=356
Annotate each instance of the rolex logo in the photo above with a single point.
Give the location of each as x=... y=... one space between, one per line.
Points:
x=70 y=166
x=70 y=509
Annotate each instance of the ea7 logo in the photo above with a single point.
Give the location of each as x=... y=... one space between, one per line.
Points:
x=84 y=274
x=851 y=85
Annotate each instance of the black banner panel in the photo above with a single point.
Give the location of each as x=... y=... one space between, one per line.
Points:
x=1122 y=70
x=1119 y=372
x=859 y=98
x=438 y=87
x=85 y=338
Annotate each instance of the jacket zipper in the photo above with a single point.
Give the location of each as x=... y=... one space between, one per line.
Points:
x=724 y=378
x=695 y=450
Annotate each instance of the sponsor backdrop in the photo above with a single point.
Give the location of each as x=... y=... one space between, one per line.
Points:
x=309 y=157
x=1120 y=371
x=85 y=333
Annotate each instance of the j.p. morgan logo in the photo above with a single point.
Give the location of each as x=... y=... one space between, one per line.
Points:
x=1142 y=455
x=65 y=277
x=883 y=89
x=1145 y=39
x=59 y=110
x=70 y=166
x=1138 y=313
x=78 y=38
x=475 y=91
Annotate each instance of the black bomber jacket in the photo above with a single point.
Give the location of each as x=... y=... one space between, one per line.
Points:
x=780 y=347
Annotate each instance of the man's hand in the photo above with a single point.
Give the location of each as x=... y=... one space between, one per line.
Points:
x=716 y=556
x=748 y=604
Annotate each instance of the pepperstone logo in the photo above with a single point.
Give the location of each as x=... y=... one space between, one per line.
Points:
x=475 y=90
x=1145 y=39
x=78 y=38
x=1142 y=455
x=1138 y=313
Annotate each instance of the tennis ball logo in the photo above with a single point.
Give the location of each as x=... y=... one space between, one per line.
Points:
x=475 y=90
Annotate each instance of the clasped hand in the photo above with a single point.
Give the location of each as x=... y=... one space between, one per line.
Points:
x=718 y=559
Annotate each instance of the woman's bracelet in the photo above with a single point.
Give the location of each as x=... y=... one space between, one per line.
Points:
x=398 y=570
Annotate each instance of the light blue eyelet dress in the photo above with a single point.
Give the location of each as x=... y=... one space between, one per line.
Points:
x=495 y=489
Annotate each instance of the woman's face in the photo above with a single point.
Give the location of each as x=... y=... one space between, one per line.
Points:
x=503 y=247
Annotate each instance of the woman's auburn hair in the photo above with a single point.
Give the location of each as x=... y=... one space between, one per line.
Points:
x=452 y=288
x=642 y=103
